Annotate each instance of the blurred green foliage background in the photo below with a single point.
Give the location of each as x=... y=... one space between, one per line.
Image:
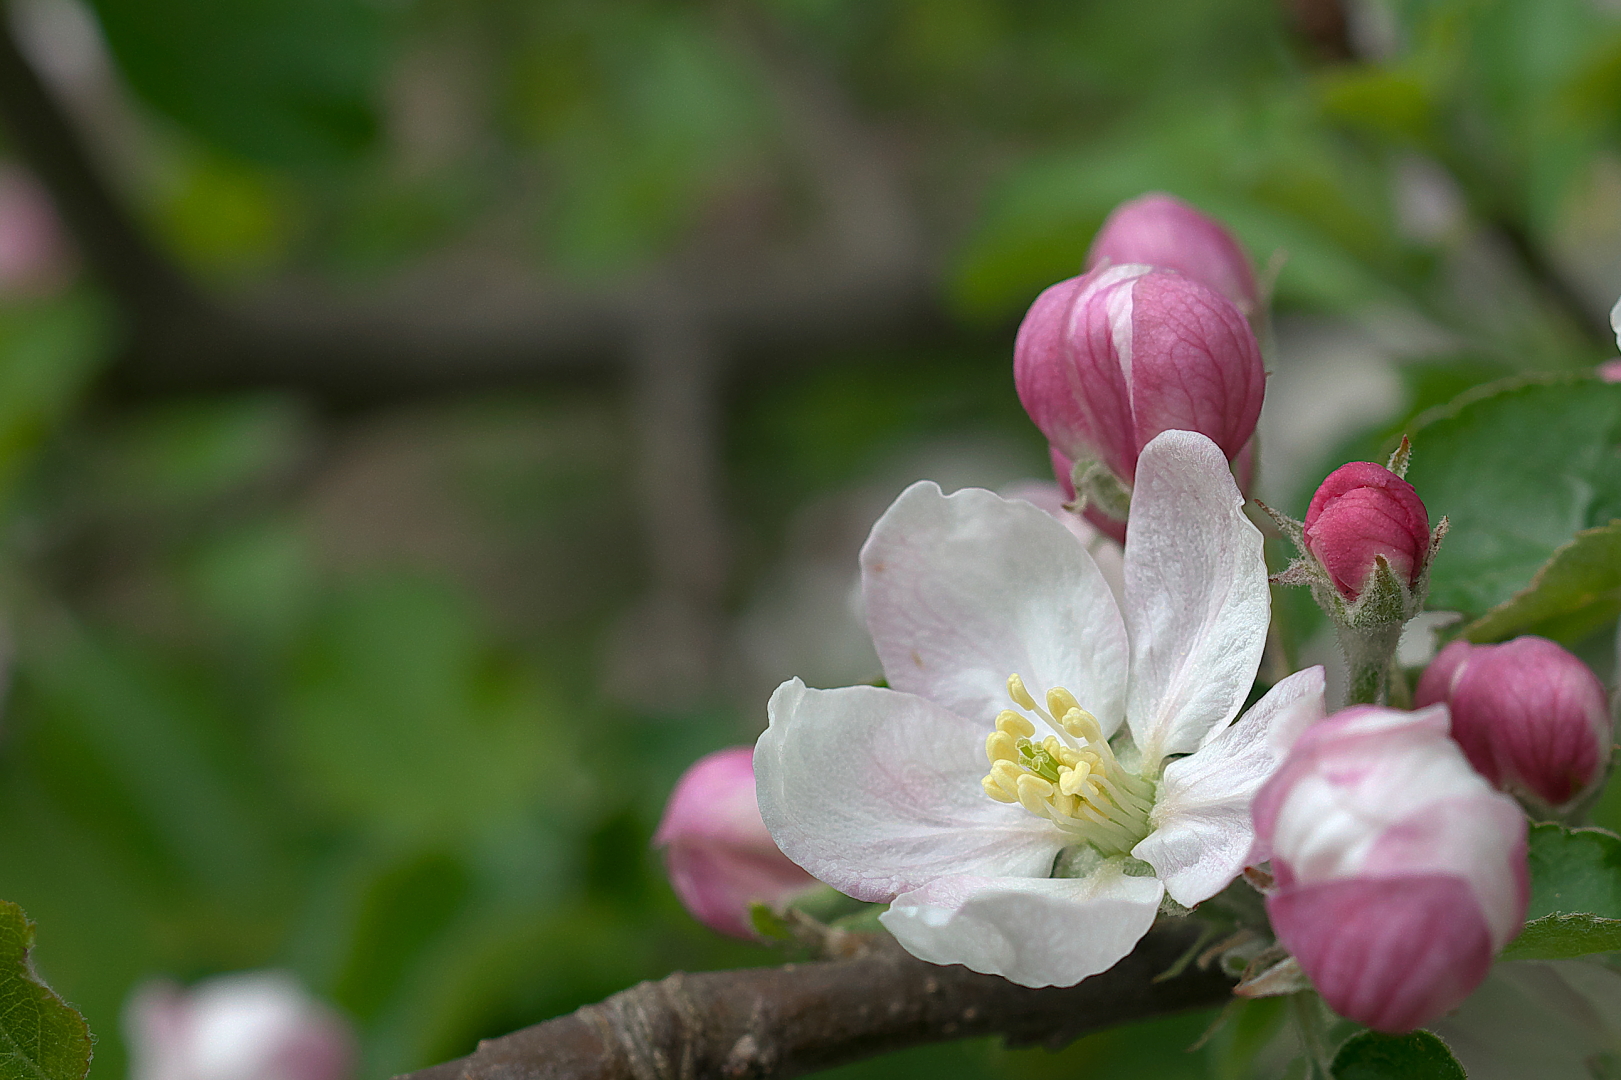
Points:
x=324 y=666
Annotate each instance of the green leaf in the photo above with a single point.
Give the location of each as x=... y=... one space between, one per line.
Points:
x=1519 y=469
x=1575 y=895
x=1574 y=871
x=282 y=82
x=42 y=1037
x=1560 y=937
x=1418 y=1055
x=1575 y=592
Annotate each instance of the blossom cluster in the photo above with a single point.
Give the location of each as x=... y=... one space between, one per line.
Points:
x=1052 y=764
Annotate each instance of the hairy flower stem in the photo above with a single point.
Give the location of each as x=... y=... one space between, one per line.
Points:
x=1369 y=651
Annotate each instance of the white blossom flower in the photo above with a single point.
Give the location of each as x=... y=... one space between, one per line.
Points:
x=1050 y=867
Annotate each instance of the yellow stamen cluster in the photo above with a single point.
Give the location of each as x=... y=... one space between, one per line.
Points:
x=1071 y=777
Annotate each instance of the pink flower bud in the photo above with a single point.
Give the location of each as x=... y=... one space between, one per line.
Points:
x=1610 y=370
x=1400 y=873
x=719 y=856
x=1162 y=230
x=1362 y=511
x=254 y=1026
x=1105 y=362
x=1529 y=715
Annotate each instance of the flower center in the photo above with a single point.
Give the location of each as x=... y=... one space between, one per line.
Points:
x=1072 y=777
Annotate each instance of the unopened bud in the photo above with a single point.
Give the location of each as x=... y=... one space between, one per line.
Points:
x=1161 y=230
x=1399 y=873
x=1531 y=717
x=1609 y=371
x=253 y=1026
x=720 y=858
x=1105 y=362
x=1361 y=513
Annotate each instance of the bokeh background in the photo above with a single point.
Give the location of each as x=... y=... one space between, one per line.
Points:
x=435 y=423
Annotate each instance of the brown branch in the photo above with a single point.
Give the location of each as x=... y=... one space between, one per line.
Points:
x=794 y=1019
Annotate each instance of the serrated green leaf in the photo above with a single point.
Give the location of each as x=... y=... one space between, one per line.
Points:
x=1575 y=592
x=1418 y=1055
x=1561 y=937
x=1574 y=871
x=42 y=1037
x=1519 y=469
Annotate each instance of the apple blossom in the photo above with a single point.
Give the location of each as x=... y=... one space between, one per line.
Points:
x=1162 y=230
x=1531 y=717
x=1106 y=361
x=258 y=1025
x=1400 y=873
x=717 y=851
x=1051 y=865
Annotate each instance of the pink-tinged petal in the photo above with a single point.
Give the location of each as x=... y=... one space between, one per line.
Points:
x=1032 y=931
x=1197 y=602
x=877 y=792
x=1344 y=788
x=1479 y=839
x=1195 y=364
x=1359 y=741
x=1391 y=953
x=963 y=590
x=1162 y=230
x=1070 y=365
x=718 y=883
x=1105 y=550
x=1202 y=834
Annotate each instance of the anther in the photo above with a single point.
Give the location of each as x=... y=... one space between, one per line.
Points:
x=1001 y=746
x=1061 y=701
x=1021 y=697
x=994 y=790
x=1081 y=724
x=1011 y=722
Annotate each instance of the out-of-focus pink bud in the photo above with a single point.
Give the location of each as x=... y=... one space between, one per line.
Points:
x=253 y=1026
x=33 y=254
x=1161 y=230
x=1363 y=511
x=1400 y=873
x=1610 y=370
x=1105 y=362
x=1530 y=716
x=719 y=856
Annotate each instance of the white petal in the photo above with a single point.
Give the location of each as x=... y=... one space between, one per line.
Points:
x=1202 y=830
x=877 y=792
x=1196 y=595
x=1033 y=931
x=964 y=590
